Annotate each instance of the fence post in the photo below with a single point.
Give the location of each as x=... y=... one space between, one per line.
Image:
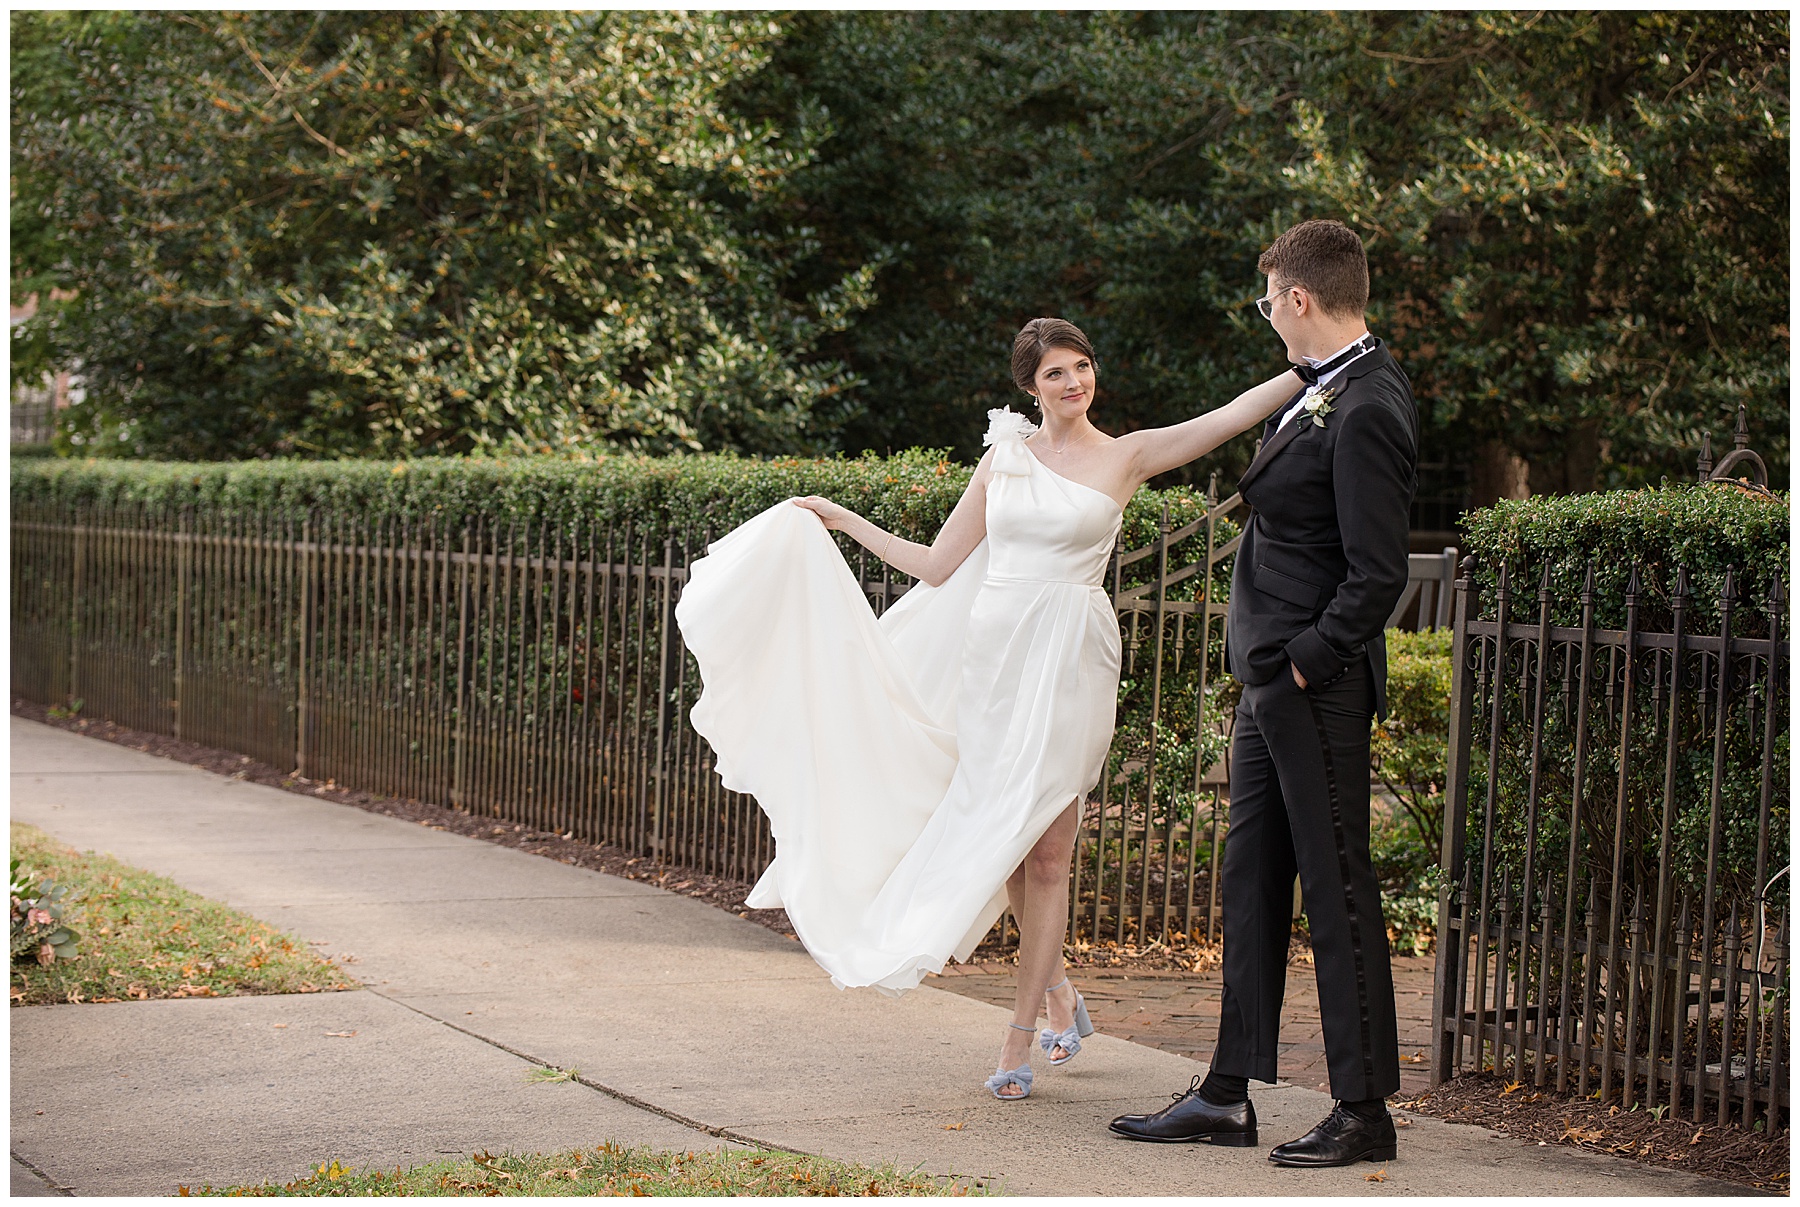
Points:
x=75 y=612
x=1441 y=613
x=303 y=690
x=1447 y=1041
x=660 y=800
x=184 y=561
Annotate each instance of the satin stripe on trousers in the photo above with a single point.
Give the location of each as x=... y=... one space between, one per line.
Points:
x=1300 y=803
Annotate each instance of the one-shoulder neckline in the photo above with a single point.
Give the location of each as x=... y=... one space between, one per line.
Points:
x=1072 y=482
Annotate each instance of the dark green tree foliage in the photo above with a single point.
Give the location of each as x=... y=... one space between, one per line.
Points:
x=1577 y=222
x=42 y=83
x=343 y=233
x=488 y=229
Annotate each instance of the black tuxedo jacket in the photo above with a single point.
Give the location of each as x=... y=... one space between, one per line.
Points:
x=1323 y=558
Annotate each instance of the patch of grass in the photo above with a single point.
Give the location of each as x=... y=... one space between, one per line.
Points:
x=144 y=936
x=539 y=1073
x=612 y=1169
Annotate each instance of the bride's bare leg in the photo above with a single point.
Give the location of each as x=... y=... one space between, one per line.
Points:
x=1039 y=892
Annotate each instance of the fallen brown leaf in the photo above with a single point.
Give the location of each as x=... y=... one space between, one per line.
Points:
x=340 y=1034
x=1379 y=1175
x=955 y=1127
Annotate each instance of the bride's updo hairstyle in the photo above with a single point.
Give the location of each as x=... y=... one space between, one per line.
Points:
x=1038 y=337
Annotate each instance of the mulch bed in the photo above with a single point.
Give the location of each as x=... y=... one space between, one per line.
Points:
x=1747 y=1158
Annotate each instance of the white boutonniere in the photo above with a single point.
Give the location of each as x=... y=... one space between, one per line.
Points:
x=1319 y=405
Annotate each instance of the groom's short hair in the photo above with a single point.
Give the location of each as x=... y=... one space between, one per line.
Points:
x=1327 y=259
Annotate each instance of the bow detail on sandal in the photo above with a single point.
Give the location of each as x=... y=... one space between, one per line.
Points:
x=1020 y=1076
x=1002 y=1078
x=1069 y=1040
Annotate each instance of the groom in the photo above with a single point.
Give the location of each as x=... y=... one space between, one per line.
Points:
x=1321 y=566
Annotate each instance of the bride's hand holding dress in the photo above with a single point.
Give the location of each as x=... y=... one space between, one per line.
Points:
x=933 y=563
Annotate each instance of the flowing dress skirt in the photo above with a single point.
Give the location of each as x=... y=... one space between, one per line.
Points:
x=907 y=764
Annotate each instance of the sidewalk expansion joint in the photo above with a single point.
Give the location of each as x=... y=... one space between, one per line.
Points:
x=47 y=1180
x=723 y=1133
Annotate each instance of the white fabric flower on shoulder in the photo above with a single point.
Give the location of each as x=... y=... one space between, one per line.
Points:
x=1004 y=423
x=1007 y=430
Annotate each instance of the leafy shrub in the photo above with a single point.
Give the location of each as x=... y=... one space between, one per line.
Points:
x=1407 y=750
x=1406 y=870
x=1407 y=755
x=1706 y=529
x=38 y=932
x=910 y=493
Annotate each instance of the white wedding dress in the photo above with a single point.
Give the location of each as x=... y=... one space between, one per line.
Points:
x=908 y=764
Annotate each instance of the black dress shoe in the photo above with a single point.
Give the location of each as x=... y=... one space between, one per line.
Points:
x=1191 y=1119
x=1343 y=1139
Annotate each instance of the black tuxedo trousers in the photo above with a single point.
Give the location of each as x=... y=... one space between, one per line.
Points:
x=1300 y=803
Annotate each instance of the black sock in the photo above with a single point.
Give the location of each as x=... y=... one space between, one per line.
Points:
x=1369 y=1110
x=1223 y=1089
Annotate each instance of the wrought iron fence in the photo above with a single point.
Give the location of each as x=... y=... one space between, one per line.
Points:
x=535 y=674
x=1614 y=916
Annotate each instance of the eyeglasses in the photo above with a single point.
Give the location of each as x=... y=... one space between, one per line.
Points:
x=1266 y=306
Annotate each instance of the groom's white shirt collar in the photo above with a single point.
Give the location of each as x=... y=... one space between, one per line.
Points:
x=1326 y=380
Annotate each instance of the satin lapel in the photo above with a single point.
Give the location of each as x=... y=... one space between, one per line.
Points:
x=1273 y=445
x=1363 y=364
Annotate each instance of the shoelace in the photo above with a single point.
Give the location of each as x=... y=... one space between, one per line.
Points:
x=1342 y=1114
x=1193 y=1088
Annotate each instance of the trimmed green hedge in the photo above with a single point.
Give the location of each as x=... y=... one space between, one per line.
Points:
x=911 y=493
x=1708 y=528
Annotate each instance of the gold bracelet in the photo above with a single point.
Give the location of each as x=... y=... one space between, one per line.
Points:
x=882 y=556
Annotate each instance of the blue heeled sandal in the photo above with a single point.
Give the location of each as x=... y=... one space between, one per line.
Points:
x=1068 y=1040
x=1020 y=1077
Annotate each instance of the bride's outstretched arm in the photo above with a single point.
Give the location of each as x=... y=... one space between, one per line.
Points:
x=1157 y=450
x=933 y=563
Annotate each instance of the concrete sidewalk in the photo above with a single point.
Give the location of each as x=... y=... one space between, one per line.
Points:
x=689 y=1027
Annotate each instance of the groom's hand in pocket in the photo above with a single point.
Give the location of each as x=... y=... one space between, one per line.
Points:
x=1299 y=679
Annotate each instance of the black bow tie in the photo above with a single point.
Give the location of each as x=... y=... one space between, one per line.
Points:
x=1310 y=374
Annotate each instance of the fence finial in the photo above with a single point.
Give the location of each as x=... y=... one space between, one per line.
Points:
x=1633 y=587
x=1740 y=463
x=1777 y=596
x=1587 y=585
x=1678 y=598
x=1728 y=593
x=1544 y=584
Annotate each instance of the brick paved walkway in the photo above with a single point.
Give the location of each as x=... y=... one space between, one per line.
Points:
x=1179 y=1012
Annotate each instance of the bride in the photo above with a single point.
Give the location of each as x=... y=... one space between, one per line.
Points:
x=924 y=770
